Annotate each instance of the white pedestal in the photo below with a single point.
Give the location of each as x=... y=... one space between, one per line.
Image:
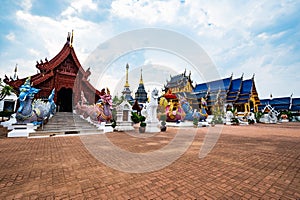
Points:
x=180 y=124
x=107 y=128
x=21 y=130
x=152 y=127
x=284 y=120
x=124 y=126
x=203 y=124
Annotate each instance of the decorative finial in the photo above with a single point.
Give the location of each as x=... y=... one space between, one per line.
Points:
x=16 y=70
x=242 y=75
x=141 y=79
x=27 y=81
x=71 y=44
x=68 y=38
x=126 y=83
x=253 y=76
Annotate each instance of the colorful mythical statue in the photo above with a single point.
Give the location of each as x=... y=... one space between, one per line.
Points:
x=99 y=112
x=174 y=112
x=37 y=111
x=190 y=114
x=173 y=109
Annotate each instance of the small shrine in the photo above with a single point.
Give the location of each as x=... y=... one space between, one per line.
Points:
x=123 y=122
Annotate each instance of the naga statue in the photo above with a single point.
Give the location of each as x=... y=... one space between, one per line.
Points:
x=33 y=112
x=190 y=114
x=99 y=112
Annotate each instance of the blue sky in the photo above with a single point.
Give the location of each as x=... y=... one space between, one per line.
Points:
x=250 y=37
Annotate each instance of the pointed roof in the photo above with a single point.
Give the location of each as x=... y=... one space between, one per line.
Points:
x=221 y=84
x=141 y=94
x=179 y=80
x=47 y=68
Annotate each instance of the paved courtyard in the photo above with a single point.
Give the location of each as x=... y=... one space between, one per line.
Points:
x=247 y=162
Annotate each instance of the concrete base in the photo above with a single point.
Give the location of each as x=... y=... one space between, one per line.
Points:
x=152 y=127
x=9 y=124
x=203 y=124
x=181 y=124
x=107 y=128
x=284 y=120
x=124 y=126
x=21 y=130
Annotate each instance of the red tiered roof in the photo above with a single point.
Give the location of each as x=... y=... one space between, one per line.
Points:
x=52 y=75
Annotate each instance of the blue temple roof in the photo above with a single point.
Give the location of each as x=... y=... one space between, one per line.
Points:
x=247 y=86
x=295 y=104
x=234 y=89
x=282 y=103
x=236 y=85
x=222 y=84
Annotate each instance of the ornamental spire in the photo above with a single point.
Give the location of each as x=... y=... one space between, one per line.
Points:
x=126 y=83
x=72 y=36
x=141 y=79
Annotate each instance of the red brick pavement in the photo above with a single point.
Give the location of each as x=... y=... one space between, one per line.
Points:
x=252 y=162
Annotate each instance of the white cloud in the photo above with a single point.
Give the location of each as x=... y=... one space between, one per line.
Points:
x=238 y=36
x=26 y=5
x=34 y=52
x=79 y=6
x=11 y=37
x=149 y=12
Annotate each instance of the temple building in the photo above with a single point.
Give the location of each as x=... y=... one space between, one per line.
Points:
x=64 y=73
x=179 y=83
x=282 y=104
x=126 y=91
x=237 y=93
x=141 y=94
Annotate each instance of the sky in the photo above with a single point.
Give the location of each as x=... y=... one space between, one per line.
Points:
x=240 y=37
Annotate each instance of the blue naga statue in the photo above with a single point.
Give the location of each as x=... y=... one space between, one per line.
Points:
x=33 y=112
x=190 y=113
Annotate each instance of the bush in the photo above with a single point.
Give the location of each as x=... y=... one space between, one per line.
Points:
x=143 y=124
x=135 y=117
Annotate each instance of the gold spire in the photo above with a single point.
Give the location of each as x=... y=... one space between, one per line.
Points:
x=141 y=80
x=126 y=83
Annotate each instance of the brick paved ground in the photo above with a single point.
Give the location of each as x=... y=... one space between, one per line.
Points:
x=253 y=162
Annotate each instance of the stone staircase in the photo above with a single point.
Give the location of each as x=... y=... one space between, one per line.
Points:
x=63 y=123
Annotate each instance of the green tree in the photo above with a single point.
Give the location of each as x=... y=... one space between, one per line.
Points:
x=6 y=90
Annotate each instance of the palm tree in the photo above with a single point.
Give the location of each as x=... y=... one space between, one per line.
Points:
x=5 y=90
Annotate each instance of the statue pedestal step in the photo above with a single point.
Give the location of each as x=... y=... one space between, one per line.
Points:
x=203 y=124
x=107 y=128
x=180 y=124
x=21 y=130
x=152 y=127
x=124 y=126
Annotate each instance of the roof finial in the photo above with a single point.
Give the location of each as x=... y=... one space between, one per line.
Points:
x=126 y=83
x=16 y=70
x=71 y=44
x=242 y=75
x=253 y=75
x=68 y=38
x=141 y=79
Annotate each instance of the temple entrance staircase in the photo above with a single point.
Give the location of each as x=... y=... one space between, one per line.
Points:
x=66 y=123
